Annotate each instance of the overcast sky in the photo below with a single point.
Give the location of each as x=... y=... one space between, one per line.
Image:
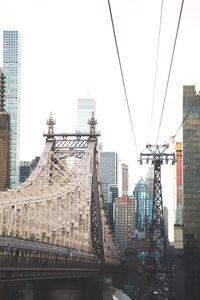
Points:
x=68 y=52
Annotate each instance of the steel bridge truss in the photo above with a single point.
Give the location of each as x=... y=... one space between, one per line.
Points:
x=61 y=203
x=70 y=145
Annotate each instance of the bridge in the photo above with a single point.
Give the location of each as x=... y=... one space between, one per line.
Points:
x=54 y=225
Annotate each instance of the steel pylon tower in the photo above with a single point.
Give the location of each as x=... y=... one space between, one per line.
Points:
x=156 y=154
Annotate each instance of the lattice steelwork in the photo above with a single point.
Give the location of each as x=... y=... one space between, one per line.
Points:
x=61 y=202
x=157 y=156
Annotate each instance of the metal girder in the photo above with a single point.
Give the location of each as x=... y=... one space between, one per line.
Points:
x=157 y=156
x=156 y=152
x=158 y=234
x=96 y=223
x=70 y=145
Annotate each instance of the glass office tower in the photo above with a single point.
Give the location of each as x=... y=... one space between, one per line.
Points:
x=85 y=108
x=109 y=167
x=143 y=208
x=108 y=162
x=191 y=193
x=12 y=69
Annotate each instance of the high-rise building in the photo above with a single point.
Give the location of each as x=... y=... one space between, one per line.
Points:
x=143 y=208
x=85 y=108
x=5 y=137
x=179 y=184
x=124 y=179
x=110 y=193
x=109 y=167
x=109 y=178
x=24 y=171
x=12 y=69
x=191 y=192
x=124 y=222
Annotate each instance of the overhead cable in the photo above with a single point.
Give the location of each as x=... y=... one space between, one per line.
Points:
x=195 y=99
x=169 y=73
x=191 y=165
x=156 y=67
x=122 y=75
x=191 y=157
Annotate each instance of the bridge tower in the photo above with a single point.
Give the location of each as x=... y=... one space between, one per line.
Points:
x=156 y=154
x=74 y=145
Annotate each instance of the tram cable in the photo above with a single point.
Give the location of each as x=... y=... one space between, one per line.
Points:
x=156 y=67
x=169 y=73
x=191 y=157
x=122 y=76
x=184 y=119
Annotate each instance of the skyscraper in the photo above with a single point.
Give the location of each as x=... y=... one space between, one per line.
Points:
x=5 y=136
x=85 y=107
x=191 y=192
x=12 y=69
x=124 y=222
x=109 y=167
x=124 y=179
x=179 y=184
x=143 y=207
x=110 y=192
x=109 y=178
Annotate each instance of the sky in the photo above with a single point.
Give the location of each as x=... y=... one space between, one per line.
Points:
x=68 y=52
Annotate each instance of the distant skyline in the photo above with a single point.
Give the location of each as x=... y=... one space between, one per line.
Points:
x=70 y=51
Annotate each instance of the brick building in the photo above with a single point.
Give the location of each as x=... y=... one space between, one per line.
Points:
x=124 y=222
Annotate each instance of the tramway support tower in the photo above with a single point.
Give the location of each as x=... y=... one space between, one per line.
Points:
x=157 y=155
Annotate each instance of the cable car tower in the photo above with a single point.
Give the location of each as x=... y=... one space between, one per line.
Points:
x=156 y=154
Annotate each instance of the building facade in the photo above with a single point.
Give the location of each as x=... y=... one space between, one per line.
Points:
x=12 y=69
x=24 y=171
x=178 y=261
x=124 y=222
x=191 y=192
x=110 y=192
x=108 y=162
x=109 y=167
x=143 y=208
x=179 y=184
x=5 y=137
x=26 y=168
x=124 y=179
x=85 y=108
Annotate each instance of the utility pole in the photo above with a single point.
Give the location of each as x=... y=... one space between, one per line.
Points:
x=156 y=154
